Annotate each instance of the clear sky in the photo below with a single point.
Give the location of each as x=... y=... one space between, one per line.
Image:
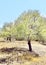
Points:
x=11 y=9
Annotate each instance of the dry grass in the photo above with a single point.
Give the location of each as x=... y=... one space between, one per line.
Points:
x=16 y=53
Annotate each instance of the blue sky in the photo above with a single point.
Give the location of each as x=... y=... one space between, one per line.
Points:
x=11 y=9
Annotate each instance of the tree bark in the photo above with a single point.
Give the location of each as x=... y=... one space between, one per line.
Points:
x=29 y=44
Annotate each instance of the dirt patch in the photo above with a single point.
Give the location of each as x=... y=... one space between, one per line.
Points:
x=18 y=54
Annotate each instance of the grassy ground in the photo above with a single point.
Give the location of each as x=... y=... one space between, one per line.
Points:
x=16 y=53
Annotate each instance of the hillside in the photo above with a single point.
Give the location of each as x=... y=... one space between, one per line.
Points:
x=17 y=53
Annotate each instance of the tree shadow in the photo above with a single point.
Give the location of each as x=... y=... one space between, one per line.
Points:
x=20 y=50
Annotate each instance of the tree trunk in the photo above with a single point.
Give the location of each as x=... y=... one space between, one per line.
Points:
x=9 y=38
x=29 y=44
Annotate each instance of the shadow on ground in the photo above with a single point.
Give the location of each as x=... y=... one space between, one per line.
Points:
x=17 y=54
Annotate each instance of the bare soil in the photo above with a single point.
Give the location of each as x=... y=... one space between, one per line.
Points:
x=17 y=53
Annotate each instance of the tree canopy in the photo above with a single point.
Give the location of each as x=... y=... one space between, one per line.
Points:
x=29 y=22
